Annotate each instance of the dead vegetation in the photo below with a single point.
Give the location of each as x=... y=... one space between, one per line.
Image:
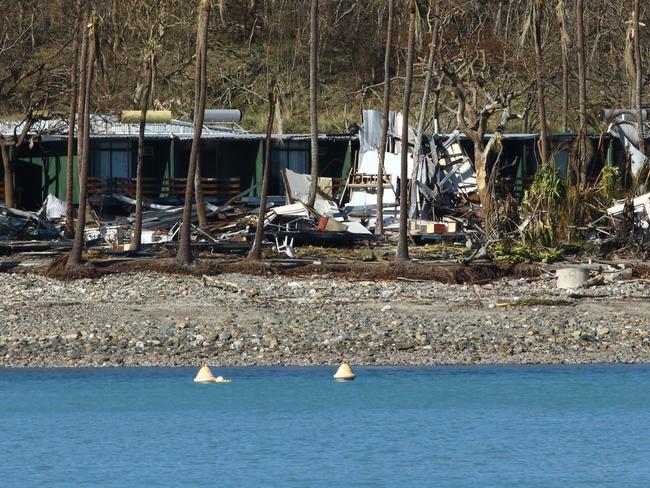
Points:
x=443 y=272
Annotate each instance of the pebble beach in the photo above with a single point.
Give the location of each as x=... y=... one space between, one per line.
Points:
x=157 y=319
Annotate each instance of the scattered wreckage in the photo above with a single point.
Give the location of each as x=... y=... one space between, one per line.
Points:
x=442 y=191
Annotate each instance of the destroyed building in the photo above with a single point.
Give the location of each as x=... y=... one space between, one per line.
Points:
x=442 y=186
x=231 y=160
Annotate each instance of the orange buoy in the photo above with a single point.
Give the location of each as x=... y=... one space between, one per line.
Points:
x=204 y=376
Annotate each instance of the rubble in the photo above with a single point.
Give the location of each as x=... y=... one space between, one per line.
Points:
x=20 y=225
x=442 y=187
x=640 y=210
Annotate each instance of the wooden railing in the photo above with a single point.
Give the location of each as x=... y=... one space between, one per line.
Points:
x=156 y=187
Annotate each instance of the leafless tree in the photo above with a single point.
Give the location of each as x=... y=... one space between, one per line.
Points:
x=256 y=250
x=8 y=162
x=83 y=75
x=202 y=53
x=582 y=97
x=313 y=99
x=136 y=241
x=564 y=48
x=475 y=107
x=426 y=96
x=537 y=16
x=74 y=258
x=184 y=255
x=639 y=74
x=402 y=244
x=379 y=225
x=72 y=121
x=8 y=174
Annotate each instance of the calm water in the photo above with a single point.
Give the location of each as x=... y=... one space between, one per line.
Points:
x=449 y=426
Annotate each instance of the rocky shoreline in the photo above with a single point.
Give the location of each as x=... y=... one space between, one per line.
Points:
x=155 y=319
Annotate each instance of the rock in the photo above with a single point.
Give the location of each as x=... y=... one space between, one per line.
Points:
x=434 y=323
x=270 y=341
x=73 y=354
x=404 y=345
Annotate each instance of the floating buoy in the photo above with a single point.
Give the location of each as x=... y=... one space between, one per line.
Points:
x=204 y=376
x=344 y=373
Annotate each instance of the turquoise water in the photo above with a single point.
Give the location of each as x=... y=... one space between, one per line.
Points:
x=279 y=427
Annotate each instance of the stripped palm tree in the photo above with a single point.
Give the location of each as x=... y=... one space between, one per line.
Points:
x=184 y=255
x=402 y=244
x=379 y=226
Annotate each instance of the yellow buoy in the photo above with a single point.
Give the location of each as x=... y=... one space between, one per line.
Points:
x=344 y=373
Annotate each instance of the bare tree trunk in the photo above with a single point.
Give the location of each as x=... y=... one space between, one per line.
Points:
x=541 y=97
x=184 y=255
x=198 y=195
x=565 y=93
x=83 y=57
x=202 y=53
x=74 y=259
x=379 y=225
x=639 y=74
x=426 y=95
x=313 y=100
x=402 y=245
x=136 y=240
x=582 y=96
x=72 y=122
x=482 y=180
x=629 y=58
x=256 y=250
x=564 y=40
x=8 y=176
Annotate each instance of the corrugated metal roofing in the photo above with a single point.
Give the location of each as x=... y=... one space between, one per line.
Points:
x=110 y=128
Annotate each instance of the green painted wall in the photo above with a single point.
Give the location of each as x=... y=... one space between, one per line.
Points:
x=42 y=170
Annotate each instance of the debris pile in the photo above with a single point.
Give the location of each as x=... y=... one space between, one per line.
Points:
x=638 y=209
x=20 y=225
x=442 y=193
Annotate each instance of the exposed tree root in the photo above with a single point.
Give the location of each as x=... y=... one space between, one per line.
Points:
x=447 y=272
x=58 y=269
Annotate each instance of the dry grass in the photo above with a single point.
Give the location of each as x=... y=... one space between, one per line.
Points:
x=444 y=272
